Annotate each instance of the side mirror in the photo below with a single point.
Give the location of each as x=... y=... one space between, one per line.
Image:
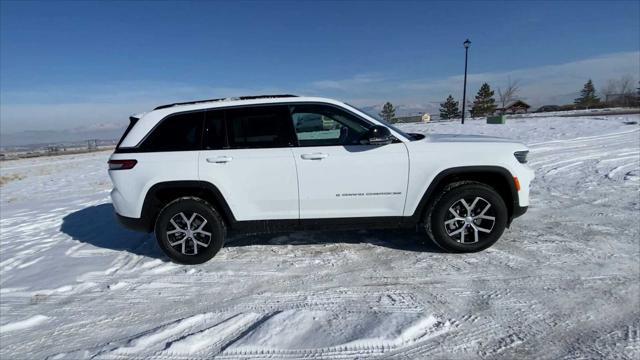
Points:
x=379 y=135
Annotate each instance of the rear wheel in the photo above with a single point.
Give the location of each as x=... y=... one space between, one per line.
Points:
x=467 y=217
x=190 y=231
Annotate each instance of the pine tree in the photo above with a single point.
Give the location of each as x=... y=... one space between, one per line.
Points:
x=449 y=109
x=388 y=112
x=484 y=104
x=588 y=96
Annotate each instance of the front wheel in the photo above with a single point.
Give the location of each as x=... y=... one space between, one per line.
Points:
x=467 y=218
x=190 y=231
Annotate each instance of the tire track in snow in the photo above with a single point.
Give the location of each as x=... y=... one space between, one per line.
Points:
x=23 y=324
x=587 y=138
x=215 y=338
x=584 y=158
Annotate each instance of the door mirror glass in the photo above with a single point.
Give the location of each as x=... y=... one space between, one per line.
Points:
x=379 y=135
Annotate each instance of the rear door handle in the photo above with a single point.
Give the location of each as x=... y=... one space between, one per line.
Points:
x=219 y=159
x=314 y=156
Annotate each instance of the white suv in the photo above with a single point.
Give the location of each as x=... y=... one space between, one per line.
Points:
x=190 y=171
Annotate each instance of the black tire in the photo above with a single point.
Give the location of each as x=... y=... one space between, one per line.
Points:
x=195 y=211
x=459 y=235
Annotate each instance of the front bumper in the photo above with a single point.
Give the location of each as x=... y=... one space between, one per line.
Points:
x=517 y=212
x=525 y=176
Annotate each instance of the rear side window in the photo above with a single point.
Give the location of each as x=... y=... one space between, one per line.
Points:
x=215 y=130
x=180 y=132
x=259 y=127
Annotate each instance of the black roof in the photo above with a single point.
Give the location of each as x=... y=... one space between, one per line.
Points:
x=231 y=98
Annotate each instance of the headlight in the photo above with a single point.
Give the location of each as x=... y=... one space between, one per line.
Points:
x=521 y=156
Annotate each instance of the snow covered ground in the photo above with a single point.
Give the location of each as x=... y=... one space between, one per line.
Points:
x=563 y=282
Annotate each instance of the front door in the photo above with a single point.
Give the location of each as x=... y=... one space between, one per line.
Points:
x=338 y=177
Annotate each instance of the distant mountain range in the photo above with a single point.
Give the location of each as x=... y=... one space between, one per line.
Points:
x=32 y=138
x=47 y=137
x=404 y=110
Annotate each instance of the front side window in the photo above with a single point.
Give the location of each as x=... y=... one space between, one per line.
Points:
x=179 y=132
x=321 y=125
x=259 y=127
x=389 y=125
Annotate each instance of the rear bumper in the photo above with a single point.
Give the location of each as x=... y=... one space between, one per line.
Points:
x=135 y=224
x=125 y=205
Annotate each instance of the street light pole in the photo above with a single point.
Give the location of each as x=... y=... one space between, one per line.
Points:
x=464 y=91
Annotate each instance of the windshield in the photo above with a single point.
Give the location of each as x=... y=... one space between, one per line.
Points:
x=387 y=124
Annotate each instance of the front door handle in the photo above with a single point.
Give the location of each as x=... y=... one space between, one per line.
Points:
x=219 y=159
x=314 y=156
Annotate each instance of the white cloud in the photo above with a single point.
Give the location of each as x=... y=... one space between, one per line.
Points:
x=544 y=84
x=539 y=85
x=354 y=83
x=107 y=105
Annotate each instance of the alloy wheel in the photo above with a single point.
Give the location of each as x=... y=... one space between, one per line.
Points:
x=186 y=234
x=469 y=220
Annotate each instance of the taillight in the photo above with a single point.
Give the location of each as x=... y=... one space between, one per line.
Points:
x=122 y=164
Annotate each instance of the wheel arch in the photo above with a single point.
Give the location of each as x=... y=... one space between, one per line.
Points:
x=162 y=193
x=497 y=177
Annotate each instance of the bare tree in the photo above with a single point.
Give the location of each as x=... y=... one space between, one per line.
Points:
x=509 y=93
x=610 y=89
x=619 y=91
x=624 y=85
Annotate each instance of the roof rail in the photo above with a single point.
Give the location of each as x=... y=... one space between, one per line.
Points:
x=230 y=98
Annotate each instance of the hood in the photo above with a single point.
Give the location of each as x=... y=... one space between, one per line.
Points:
x=466 y=138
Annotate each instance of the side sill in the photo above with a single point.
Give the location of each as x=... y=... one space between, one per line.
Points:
x=331 y=224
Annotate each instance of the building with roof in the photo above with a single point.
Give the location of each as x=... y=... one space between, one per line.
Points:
x=514 y=107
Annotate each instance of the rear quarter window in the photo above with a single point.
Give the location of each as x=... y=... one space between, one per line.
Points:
x=132 y=123
x=179 y=132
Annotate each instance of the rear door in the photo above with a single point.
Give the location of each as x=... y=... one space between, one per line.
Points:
x=247 y=156
x=338 y=176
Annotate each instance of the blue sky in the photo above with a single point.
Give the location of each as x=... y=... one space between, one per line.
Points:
x=87 y=64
